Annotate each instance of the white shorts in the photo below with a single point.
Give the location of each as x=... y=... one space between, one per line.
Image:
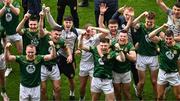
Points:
x=2 y=62
x=105 y=85
x=143 y=61
x=172 y=78
x=86 y=72
x=32 y=93
x=121 y=77
x=13 y=38
x=53 y=75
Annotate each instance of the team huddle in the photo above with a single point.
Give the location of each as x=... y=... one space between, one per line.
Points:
x=109 y=54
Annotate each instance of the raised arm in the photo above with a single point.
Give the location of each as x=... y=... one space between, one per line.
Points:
x=50 y=19
x=81 y=45
x=118 y=13
x=21 y=24
x=139 y=17
x=41 y=24
x=102 y=31
x=8 y=56
x=162 y=5
x=52 y=54
x=103 y=8
x=156 y=31
x=15 y=9
x=2 y=10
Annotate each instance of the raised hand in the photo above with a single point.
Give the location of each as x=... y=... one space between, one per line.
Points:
x=27 y=15
x=8 y=45
x=121 y=10
x=103 y=8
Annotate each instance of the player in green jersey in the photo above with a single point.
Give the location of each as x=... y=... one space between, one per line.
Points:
x=169 y=62
x=103 y=63
x=29 y=35
x=30 y=70
x=146 y=51
x=122 y=70
x=9 y=12
x=50 y=69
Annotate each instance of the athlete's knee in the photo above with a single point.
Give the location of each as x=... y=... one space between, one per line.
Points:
x=57 y=89
x=141 y=82
x=160 y=97
x=43 y=90
x=177 y=97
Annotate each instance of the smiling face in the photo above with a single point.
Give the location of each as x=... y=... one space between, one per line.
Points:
x=30 y=51
x=176 y=12
x=55 y=35
x=33 y=25
x=128 y=12
x=123 y=38
x=68 y=24
x=149 y=23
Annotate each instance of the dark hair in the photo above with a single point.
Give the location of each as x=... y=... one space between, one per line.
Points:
x=177 y=4
x=31 y=46
x=68 y=18
x=112 y=21
x=104 y=40
x=151 y=15
x=57 y=28
x=123 y=31
x=33 y=18
x=169 y=33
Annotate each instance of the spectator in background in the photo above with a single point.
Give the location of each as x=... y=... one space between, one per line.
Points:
x=61 y=5
x=9 y=13
x=34 y=7
x=83 y=3
x=112 y=7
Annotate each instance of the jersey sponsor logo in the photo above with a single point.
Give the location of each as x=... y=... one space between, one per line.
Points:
x=8 y=17
x=100 y=61
x=30 y=69
x=169 y=55
x=35 y=41
x=147 y=39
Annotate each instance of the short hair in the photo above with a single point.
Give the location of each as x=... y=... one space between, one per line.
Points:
x=104 y=40
x=68 y=18
x=33 y=18
x=129 y=8
x=177 y=4
x=123 y=31
x=31 y=46
x=87 y=25
x=112 y=21
x=169 y=33
x=151 y=15
x=57 y=28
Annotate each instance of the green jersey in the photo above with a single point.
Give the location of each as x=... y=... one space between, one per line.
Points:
x=122 y=67
x=2 y=35
x=44 y=48
x=10 y=20
x=29 y=38
x=61 y=47
x=103 y=69
x=146 y=47
x=30 y=71
x=168 y=57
